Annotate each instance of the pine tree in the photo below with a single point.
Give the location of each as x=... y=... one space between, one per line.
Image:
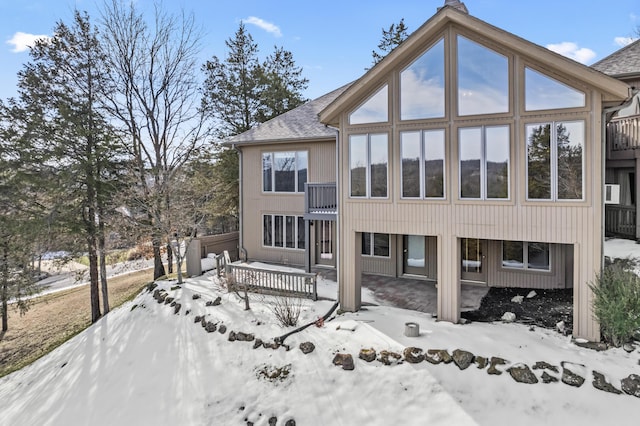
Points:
x=391 y=38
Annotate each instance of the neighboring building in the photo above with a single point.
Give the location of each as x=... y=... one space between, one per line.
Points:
x=622 y=217
x=467 y=155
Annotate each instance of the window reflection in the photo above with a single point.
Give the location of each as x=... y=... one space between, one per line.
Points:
x=422 y=86
x=373 y=110
x=542 y=92
x=483 y=79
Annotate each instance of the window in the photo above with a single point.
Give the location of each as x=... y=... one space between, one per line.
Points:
x=368 y=165
x=483 y=79
x=542 y=92
x=283 y=231
x=422 y=85
x=375 y=244
x=555 y=161
x=373 y=110
x=484 y=162
x=422 y=167
x=525 y=255
x=284 y=171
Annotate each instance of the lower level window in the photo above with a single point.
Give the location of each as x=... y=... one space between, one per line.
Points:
x=525 y=255
x=375 y=244
x=283 y=231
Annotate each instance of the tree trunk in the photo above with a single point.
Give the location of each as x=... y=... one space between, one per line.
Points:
x=158 y=267
x=170 y=258
x=4 y=276
x=103 y=268
x=93 y=278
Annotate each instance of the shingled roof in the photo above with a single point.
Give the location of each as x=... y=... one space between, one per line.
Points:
x=622 y=62
x=298 y=124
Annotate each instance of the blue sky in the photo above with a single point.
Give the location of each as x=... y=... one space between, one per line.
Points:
x=332 y=40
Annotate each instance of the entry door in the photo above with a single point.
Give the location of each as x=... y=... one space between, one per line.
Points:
x=415 y=255
x=324 y=242
x=474 y=265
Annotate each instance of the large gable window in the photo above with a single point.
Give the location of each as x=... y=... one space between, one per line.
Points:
x=542 y=92
x=422 y=164
x=484 y=162
x=373 y=110
x=555 y=161
x=422 y=86
x=284 y=171
x=368 y=165
x=483 y=79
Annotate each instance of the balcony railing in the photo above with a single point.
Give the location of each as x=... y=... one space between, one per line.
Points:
x=624 y=133
x=620 y=221
x=321 y=198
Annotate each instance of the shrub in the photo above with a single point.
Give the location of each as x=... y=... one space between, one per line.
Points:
x=287 y=310
x=616 y=303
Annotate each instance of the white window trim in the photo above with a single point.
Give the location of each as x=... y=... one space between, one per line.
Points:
x=284 y=231
x=273 y=172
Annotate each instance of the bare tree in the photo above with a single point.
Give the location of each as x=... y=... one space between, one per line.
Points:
x=154 y=96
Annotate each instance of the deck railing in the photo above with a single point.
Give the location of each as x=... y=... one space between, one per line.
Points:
x=268 y=281
x=321 y=198
x=624 y=133
x=620 y=221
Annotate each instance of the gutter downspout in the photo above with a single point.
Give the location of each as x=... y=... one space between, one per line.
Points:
x=242 y=252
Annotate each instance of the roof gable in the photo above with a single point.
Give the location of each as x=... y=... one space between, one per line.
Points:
x=622 y=62
x=446 y=17
x=297 y=124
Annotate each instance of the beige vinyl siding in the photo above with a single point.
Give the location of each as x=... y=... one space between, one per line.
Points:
x=382 y=265
x=256 y=203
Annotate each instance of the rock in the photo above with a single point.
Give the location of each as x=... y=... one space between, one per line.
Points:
x=273 y=421
x=169 y=300
x=541 y=365
x=257 y=343
x=570 y=378
x=198 y=318
x=307 y=347
x=436 y=356
x=244 y=337
x=548 y=378
x=195 y=297
x=532 y=294
x=210 y=327
x=290 y=422
x=222 y=329
x=345 y=360
x=629 y=347
x=636 y=335
x=214 y=302
x=494 y=363
x=522 y=374
x=517 y=299
x=462 y=359
x=367 y=354
x=232 y=336
x=508 y=317
x=596 y=346
x=176 y=308
x=481 y=362
x=151 y=287
x=600 y=383
x=631 y=385
x=175 y=287
x=389 y=357
x=413 y=355
x=560 y=327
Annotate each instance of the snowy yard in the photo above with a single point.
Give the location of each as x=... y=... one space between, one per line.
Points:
x=149 y=365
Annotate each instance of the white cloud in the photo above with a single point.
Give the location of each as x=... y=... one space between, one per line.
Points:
x=571 y=50
x=267 y=26
x=23 y=41
x=623 y=41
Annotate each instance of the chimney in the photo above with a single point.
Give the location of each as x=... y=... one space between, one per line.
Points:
x=457 y=4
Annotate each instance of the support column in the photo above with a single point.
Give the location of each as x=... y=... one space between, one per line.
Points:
x=448 y=278
x=349 y=271
x=307 y=245
x=637 y=196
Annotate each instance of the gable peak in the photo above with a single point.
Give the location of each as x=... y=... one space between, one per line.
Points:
x=456 y=4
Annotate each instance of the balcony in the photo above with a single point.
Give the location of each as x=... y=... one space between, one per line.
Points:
x=320 y=201
x=624 y=133
x=620 y=221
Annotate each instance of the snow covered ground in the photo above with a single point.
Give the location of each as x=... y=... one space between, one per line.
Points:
x=149 y=366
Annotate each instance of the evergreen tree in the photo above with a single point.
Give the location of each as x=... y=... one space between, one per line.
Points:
x=391 y=38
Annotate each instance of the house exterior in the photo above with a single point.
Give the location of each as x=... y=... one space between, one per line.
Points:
x=467 y=155
x=622 y=218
